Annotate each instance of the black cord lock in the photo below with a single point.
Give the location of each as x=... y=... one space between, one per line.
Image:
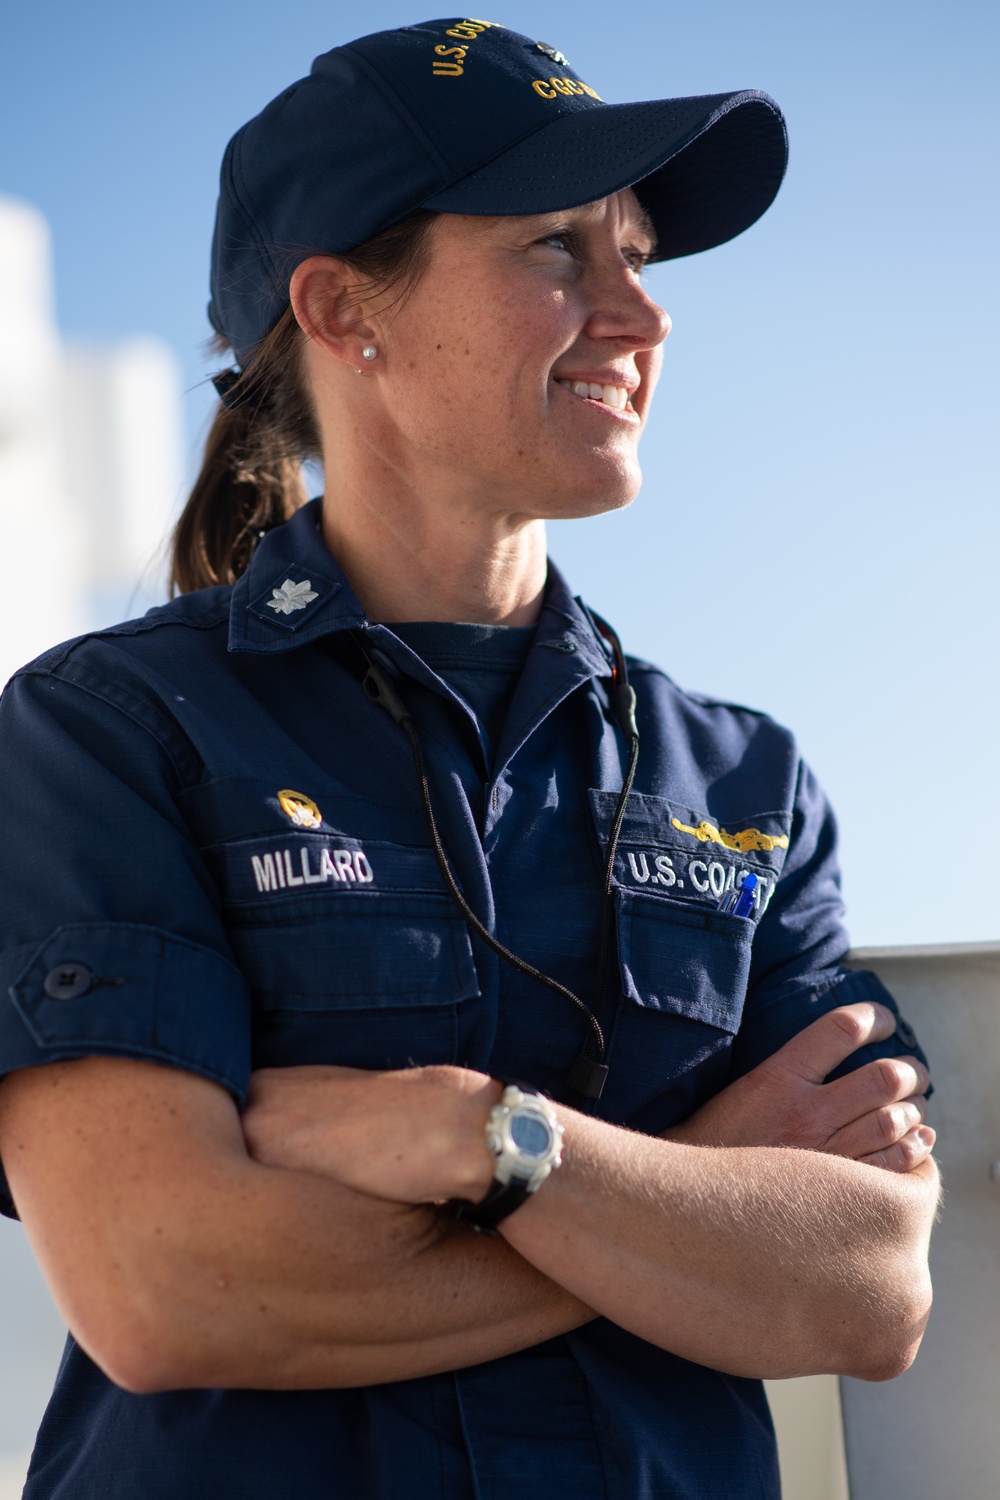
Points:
x=587 y=1077
x=379 y=688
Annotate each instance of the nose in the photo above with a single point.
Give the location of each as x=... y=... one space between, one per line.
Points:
x=624 y=310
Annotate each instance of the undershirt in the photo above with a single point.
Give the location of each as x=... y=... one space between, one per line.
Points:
x=481 y=662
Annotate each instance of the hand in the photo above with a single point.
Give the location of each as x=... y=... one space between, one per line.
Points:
x=413 y=1136
x=873 y=1115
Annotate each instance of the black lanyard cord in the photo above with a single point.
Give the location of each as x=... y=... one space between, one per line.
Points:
x=623 y=706
x=588 y=1073
x=607 y=900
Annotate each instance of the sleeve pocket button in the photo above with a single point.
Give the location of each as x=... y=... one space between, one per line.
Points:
x=68 y=981
x=906 y=1033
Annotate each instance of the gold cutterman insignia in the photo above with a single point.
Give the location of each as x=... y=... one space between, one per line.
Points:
x=746 y=841
x=301 y=809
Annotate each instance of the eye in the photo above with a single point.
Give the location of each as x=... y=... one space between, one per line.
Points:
x=562 y=239
x=636 y=260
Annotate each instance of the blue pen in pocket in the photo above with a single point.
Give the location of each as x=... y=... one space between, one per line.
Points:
x=740 y=900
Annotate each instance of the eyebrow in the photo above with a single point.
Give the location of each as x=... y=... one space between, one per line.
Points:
x=639 y=222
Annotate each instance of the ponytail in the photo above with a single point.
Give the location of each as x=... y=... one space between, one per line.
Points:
x=251 y=472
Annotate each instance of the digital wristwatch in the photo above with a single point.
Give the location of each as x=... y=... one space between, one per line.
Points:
x=523 y=1133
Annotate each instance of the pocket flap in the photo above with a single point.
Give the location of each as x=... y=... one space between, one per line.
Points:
x=665 y=847
x=376 y=955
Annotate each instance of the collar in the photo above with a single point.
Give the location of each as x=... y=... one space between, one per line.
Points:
x=295 y=591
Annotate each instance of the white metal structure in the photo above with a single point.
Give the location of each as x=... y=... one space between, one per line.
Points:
x=121 y=412
x=90 y=460
x=43 y=594
x=934 y=1433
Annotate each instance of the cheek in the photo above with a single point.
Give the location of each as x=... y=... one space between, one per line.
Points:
x=465 y=379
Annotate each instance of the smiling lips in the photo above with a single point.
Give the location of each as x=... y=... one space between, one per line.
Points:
x=615 y=396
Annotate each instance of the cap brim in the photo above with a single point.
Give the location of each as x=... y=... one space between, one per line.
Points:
x=704 y=168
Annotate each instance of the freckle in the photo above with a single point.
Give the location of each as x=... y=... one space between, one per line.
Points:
x=468 y=350
x=262 y=1307
x=413 y=364
x=439 y=346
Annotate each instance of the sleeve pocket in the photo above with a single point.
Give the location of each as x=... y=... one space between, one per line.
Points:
x=125 y=989
x=682 y=959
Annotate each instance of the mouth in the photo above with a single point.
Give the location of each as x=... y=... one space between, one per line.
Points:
x=616 y=398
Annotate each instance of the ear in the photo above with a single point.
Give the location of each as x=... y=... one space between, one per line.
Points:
x=324 y=297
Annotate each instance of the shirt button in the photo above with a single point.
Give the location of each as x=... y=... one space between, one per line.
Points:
x=906 y=1033
x=68 y=981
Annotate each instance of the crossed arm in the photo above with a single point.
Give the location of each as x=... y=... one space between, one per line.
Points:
x=301 y=1246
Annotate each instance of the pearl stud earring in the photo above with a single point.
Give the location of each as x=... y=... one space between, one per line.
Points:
x=369 y=352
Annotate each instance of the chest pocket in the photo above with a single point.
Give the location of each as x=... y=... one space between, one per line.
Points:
x=683 y=963
x=351 y=948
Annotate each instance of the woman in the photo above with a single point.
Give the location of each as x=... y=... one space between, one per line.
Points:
x=364 y=811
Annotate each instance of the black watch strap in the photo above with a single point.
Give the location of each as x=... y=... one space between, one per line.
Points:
x=501 y=1200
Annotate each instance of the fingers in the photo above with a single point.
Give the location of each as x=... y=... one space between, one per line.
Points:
x=824 y=1045
x=879 y=1129
x=914 y=1149
x=887 y=1080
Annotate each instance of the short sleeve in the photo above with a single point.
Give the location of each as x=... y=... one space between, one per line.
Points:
x=796 y=973
x=111 y=939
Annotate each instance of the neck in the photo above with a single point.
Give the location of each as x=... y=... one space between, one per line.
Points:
x=411 y=555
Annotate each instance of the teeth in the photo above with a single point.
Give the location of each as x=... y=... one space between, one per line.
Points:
x=615 y=396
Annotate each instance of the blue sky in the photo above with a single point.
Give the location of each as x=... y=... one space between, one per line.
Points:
x=817 y=535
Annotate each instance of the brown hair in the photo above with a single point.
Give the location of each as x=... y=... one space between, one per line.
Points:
x=251 y=471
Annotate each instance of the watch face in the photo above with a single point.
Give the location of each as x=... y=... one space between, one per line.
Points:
x=531 y=1134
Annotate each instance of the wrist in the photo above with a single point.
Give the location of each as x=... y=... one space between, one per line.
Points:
x=466 y=1158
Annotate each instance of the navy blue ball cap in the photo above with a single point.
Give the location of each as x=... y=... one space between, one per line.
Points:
x=464 y=116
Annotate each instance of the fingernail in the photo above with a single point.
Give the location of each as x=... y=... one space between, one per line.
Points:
x=926 y=1136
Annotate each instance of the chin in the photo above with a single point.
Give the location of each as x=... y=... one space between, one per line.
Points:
x=613 y=491
x=599 y=506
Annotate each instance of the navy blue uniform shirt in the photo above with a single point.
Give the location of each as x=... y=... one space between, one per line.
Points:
x=217 y=860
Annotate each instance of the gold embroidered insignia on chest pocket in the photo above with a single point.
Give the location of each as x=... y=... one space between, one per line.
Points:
x=748 y=840
x=299 y=809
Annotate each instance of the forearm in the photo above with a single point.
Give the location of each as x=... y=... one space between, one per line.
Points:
x=177 y=1261
x=756 y=1261
x=343 y=1291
